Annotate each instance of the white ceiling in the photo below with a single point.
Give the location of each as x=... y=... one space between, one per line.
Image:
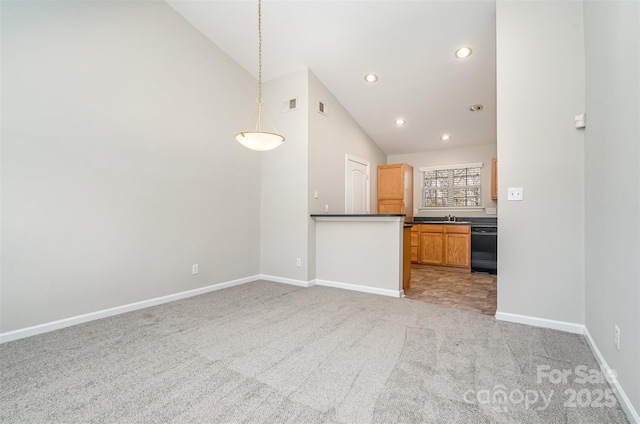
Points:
x=408 y=44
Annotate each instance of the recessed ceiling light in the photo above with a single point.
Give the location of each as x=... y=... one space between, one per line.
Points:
x=371 y=78
x=445 y=137
x=463 y=52
x=400 y=121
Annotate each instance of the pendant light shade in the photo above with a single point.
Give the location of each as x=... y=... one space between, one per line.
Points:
x=259 y=140
x=256 y=139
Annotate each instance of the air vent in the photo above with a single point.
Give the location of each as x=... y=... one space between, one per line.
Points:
x=289 y=105
x=323 y=108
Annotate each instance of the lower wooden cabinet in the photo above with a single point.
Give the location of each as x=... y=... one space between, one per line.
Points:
x=448 y=245
x=456 y=252
x=431 y=244
x=415 y=243
x=406 y=259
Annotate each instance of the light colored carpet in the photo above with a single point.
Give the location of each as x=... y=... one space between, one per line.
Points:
x=271 y=353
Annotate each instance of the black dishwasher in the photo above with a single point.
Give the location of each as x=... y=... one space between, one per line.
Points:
x=484 y=248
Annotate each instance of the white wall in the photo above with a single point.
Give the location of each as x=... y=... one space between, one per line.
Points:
x=474 y=154
x=360 y=253
x=119 y=166
x=540 y=87
x=284 y=175
x=330 y=139
x=312 y=157
x=613 y=185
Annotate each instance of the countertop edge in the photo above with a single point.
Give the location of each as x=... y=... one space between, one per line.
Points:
x=359 y=218
x=355 y=215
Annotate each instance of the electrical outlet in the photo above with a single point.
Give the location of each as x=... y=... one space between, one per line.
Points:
x=616 y=336
x=491 y=211
x=298 y=262
x=315 y=194
x=515 y=193
x=194 y=269
x=415 y=211
x=326 y=208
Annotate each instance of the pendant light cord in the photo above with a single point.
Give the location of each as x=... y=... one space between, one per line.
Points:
x=260 y=52
x=258 y=115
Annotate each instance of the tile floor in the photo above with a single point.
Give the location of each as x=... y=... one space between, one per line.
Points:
x=453 y=288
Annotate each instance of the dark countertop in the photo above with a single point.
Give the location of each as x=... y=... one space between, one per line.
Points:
x=355 y=215
x=459 y=220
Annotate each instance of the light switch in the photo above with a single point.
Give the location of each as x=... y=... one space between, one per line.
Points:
x=515 y=193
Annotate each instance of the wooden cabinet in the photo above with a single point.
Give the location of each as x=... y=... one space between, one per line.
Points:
x=457 y=245
x=415 y=243
x=391 y=207
x=494 y=179
x=448 y=245
x=431 y=244
x=395 y=190
x=406 y=259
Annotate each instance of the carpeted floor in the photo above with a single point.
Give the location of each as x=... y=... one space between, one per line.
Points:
x=271 y=353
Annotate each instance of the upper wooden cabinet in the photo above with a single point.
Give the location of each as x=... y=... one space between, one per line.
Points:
x=395 y=190
x=494 y=179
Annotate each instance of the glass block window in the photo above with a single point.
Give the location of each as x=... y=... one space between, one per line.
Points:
x=455 y=186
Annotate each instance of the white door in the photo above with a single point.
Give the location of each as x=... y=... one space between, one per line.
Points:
x=356 y=186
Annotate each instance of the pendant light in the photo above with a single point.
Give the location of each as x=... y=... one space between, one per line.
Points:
x=257 y=139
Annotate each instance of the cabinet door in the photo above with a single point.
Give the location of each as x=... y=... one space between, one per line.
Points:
x=415 y=239
x=415 y=244
x=391 y=207
x=431 y=248
x=457 y=250
x=391 y=182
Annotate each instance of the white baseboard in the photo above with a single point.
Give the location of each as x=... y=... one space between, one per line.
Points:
x=355 y=287
x=299 y=283
x=569 y=327
x=625 y=403
x=79 y=319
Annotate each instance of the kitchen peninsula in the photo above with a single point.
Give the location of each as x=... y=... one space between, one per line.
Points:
x=361 y=252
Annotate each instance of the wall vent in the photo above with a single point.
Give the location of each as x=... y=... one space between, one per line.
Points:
x=290 y=104
x=323 y=108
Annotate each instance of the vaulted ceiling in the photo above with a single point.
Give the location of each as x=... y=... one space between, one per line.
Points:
x=410 y=45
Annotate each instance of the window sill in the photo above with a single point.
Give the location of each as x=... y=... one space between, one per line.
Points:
x=443 y=209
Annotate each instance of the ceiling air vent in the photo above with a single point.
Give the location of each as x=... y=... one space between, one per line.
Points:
x=289 y=105
x=323 y=108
